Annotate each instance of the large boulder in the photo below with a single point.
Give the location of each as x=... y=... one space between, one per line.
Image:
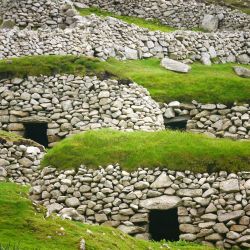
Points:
x=241 y=71
x=161 y=203
x=174 y=65
x=210 y=23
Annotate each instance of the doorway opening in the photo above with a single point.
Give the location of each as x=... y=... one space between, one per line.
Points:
x=177 y=123
x=37 y=132
x=164 y=225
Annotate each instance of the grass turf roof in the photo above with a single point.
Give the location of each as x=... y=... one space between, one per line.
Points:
x=208 y=84
x=171 y=149
x=25 y=228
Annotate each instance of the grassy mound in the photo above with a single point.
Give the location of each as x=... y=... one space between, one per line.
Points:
x=216 y=84
x=24 y=228
x=174 y=150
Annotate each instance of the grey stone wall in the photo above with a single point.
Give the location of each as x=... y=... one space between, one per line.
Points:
x=212 y=208
x=180 y=13
x=70 y=104
x=216 y=120
x=53 y=13
x=19 y=162
x=109 y=37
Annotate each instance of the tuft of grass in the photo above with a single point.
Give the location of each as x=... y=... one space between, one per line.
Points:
x=11 y=137
x=21 y=224
x=165 y=149
x=152 y=24
x=208 y=84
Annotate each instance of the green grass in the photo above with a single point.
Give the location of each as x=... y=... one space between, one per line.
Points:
x=174 y=150
x=11 y=137
x=152 y=25
x=21 y=225
x=217 y=83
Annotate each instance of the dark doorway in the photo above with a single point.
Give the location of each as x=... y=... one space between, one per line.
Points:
x=164 y=225
x=37 y=132
x=177 y=123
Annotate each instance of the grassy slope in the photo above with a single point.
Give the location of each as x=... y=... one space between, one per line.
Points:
x=174 y=150
x=149 y=24
x=217 y=83
x=21 y=225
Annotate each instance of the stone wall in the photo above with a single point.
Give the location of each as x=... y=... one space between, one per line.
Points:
x=70 y=104
x=19 y=162
x=53 y=13
x=180 y=13
x=212 y=208
x=216 y=120
x=110 y=37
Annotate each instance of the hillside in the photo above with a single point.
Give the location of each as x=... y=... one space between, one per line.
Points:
x=124 y=124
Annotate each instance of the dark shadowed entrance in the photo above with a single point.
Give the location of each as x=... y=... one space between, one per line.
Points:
x=37 y=132
x=163 y=224
x=177 y=123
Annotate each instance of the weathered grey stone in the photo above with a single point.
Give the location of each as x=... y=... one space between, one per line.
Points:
x=173 y=65
x=162 y=203
x=162 y=181
x=72 y=202
x=220 y=228
x=210 y=23
x=189 y=192
x=229 y=186
x=131 y=229
x=241 y=71
x=231 y=215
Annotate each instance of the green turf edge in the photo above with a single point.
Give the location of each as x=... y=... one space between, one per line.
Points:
x=207 y=84
x=173 y=150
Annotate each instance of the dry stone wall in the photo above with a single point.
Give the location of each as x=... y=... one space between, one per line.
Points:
x=19 y=162
x=110 y=37
x=70 y=104
x=180 y=13
x=216 y=120
x=212 y=208
x=53 y=13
